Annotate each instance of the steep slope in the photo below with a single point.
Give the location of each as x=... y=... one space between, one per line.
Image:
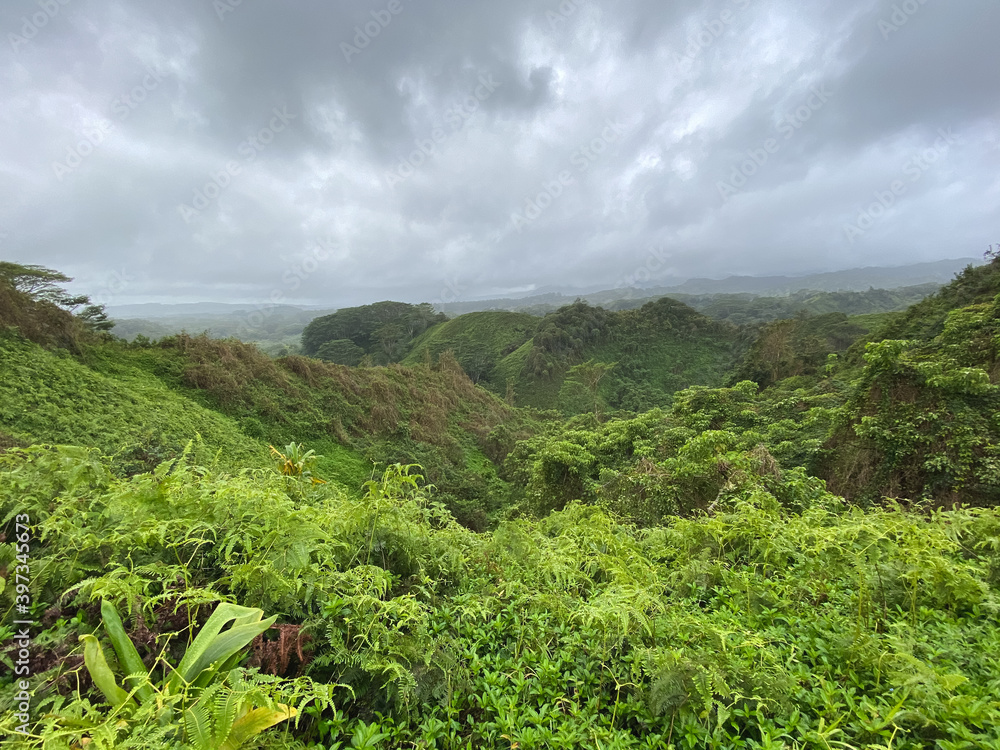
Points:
x=49 y=397
x=926 y=319
x=479 y=341
x=923 y=421
x=658 y=349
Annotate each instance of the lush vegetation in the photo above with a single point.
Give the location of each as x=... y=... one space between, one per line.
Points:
x=480 y=342
x=776 y=537
x=481 y=339
x=384 y=332
x=747 y=309
x=275 y=329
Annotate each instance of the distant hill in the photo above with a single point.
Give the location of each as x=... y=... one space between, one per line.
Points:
x=743 y=300
x=545 y=363
x=277 y=330
x=150 y=310
x=852 y=280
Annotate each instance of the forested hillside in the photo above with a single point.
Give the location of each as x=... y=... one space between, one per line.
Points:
x=277 y=329
x=613 y=529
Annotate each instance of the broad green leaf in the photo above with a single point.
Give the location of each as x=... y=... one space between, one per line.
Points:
x=209 y=647
x=128 y=656
x=255 y=722
x=100 y=672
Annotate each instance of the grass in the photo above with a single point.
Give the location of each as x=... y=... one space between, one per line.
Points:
x=50 y=397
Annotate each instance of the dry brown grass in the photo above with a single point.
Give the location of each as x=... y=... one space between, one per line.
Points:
x=43 y=323
x=348 y=403
x=228 y=369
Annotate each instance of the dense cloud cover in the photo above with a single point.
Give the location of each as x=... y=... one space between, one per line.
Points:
x=343 y=152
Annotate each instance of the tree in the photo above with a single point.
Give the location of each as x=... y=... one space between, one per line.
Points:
x=341 y=352
x=41 y=284
x=391 y=326
x=589 y=376
x=96 y=318
x=389 y=337
x=38 y=282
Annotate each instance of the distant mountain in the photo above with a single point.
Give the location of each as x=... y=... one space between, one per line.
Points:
x=150 y=310
x=851 y=280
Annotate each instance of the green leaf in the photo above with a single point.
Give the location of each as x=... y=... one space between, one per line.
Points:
x=212 y=646
x=198 y=726
x=128 y=656
x=100 y=672
x=255 y=722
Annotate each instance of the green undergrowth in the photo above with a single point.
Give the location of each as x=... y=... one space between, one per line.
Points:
x=657 y=349
x=479 y=341
x=147 y=399
x=780 y=618
x=51 y=397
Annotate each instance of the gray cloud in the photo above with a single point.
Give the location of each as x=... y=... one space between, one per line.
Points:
x=424 y=182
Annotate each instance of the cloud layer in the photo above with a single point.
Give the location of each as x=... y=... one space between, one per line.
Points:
x=340 y=153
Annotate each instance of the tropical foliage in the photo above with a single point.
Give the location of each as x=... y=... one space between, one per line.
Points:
x=798 y=548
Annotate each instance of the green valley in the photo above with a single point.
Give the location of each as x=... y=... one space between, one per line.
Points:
x=653 y=527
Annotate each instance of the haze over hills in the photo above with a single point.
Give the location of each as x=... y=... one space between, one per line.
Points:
x=738 y=300
x=560 y=458
x=854 y=279
x=154 y=310
x=543 y=375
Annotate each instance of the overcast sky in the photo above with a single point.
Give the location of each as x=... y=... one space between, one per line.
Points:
x=344 y=152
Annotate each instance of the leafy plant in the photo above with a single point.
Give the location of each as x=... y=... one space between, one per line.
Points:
x=297 y=462
x=206 y=697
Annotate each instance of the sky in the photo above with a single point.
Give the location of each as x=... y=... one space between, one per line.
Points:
x=339 y=153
